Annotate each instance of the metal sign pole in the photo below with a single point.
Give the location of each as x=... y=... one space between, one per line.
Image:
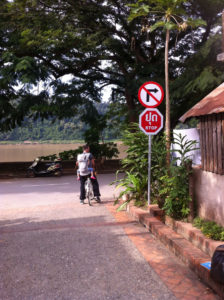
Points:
x=150 y=95
x=149 y=169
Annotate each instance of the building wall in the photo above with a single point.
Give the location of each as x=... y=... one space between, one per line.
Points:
x=209 y=195
x=191 y=134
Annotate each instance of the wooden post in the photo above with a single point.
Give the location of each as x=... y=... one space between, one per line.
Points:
x=223 y=31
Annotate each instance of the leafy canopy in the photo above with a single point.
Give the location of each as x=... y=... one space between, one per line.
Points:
x=93 y=45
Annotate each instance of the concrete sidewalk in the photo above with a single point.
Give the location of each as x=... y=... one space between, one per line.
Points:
x=52 y=248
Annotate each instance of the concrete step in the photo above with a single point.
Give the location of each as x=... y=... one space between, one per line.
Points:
x=194 y=235
x=191 y=255
x=187 y=230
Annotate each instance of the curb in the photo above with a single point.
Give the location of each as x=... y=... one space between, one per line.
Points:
x=192 y=256
x=193 y=235
x=9 y=170
x=65 y=173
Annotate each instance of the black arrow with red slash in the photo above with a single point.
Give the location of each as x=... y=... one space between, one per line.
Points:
x=151 y=90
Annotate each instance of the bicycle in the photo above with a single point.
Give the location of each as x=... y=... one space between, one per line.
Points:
x=89 y=190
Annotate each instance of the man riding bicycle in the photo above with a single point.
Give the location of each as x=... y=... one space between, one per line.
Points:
x=85 y=162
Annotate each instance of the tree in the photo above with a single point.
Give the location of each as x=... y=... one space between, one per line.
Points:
x=170 y=15
x=93 y=45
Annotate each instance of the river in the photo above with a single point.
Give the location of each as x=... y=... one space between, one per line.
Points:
x=28 y=152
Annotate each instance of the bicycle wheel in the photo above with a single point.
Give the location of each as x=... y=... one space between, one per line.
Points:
x=89 y=190
x=58 y=173
x=86 y=190
x=30 y=174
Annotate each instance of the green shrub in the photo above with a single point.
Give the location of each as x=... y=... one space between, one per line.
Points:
x=70 y=154
x=136 y=161
x=158 y=169
x=210 y=229
x=135 y=187
x=197 y=222
x=50 y=157
x=169 y=185
x=175 y=190
x=106 y=150
x=135 y=167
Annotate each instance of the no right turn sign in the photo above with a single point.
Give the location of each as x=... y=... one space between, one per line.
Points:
x=150 y=94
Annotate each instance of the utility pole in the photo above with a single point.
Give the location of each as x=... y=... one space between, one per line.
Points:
x=220 y=57
x=223 y=31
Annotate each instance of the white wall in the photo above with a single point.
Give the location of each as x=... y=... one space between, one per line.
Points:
x=191 y=134
x=209 y=194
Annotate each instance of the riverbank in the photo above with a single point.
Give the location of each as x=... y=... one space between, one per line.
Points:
x=29 y=142
x=18 y=169
x=41 y=142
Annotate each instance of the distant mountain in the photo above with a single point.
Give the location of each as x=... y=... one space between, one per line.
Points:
x=66 y=129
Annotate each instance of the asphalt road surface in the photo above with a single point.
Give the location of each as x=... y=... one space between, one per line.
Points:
x=51 y=247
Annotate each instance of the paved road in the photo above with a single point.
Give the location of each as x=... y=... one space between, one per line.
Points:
x=52 y=248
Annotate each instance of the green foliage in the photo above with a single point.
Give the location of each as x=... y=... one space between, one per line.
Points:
x=41 y=42
x=158 y=169
x=70 y=154
x=174 y=17
x=210 y=229
x=175 y=182
x=134 y=166
x=74 y=128
x=137 y=154
x=173 y=14
x=202 y=74
x=175 y=191
x=184 y=146
x=106 y=150
x=169 y=186
x=135 y=187
x=96 y=122
x=50 y=157
x=190 y=123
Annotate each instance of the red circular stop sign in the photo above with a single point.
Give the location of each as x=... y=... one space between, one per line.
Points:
x=151 y=121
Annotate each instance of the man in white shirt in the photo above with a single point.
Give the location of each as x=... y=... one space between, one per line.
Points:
x=84 y=162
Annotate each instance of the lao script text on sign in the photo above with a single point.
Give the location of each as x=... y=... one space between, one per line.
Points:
x=151 y=121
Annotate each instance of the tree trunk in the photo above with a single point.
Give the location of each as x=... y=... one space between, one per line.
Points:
x=167 y=126
x=131 y=107
x=223 y=31
x=191 y=215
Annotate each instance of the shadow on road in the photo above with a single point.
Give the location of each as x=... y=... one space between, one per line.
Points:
x=75 y=258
